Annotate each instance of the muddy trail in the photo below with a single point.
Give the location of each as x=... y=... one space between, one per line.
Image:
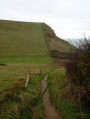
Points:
x=50 y=111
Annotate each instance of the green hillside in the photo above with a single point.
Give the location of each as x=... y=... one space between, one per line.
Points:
x=21 y=40
x=28 y=42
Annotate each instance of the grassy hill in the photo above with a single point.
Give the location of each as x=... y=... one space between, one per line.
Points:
x=20 y=41
x=28 y=42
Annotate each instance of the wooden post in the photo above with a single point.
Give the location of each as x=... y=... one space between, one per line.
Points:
x=28 y=78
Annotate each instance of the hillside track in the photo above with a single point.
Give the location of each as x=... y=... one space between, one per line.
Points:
x=50 y=111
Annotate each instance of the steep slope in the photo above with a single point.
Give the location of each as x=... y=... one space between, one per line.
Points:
x=58 y=48
x=55 y=43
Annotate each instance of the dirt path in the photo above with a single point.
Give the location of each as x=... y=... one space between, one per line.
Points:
x=50 y=111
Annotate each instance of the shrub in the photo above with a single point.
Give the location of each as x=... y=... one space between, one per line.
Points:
x=78 y=69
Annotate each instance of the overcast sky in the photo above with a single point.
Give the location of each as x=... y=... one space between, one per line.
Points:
x=68 y=18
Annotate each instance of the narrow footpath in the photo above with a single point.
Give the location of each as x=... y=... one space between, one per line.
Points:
x=50 y=111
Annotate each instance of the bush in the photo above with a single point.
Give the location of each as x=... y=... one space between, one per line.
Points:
x=78 y=69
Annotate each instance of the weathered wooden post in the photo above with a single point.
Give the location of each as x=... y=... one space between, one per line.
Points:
x=28 y=78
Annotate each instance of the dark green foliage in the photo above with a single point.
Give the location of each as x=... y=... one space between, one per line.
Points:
x=78 y=70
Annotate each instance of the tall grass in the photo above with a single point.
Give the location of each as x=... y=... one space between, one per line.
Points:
x=16 y=101
x=19 y=103
x=59 y=87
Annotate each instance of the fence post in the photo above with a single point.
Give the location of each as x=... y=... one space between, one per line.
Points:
x=28 y=78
